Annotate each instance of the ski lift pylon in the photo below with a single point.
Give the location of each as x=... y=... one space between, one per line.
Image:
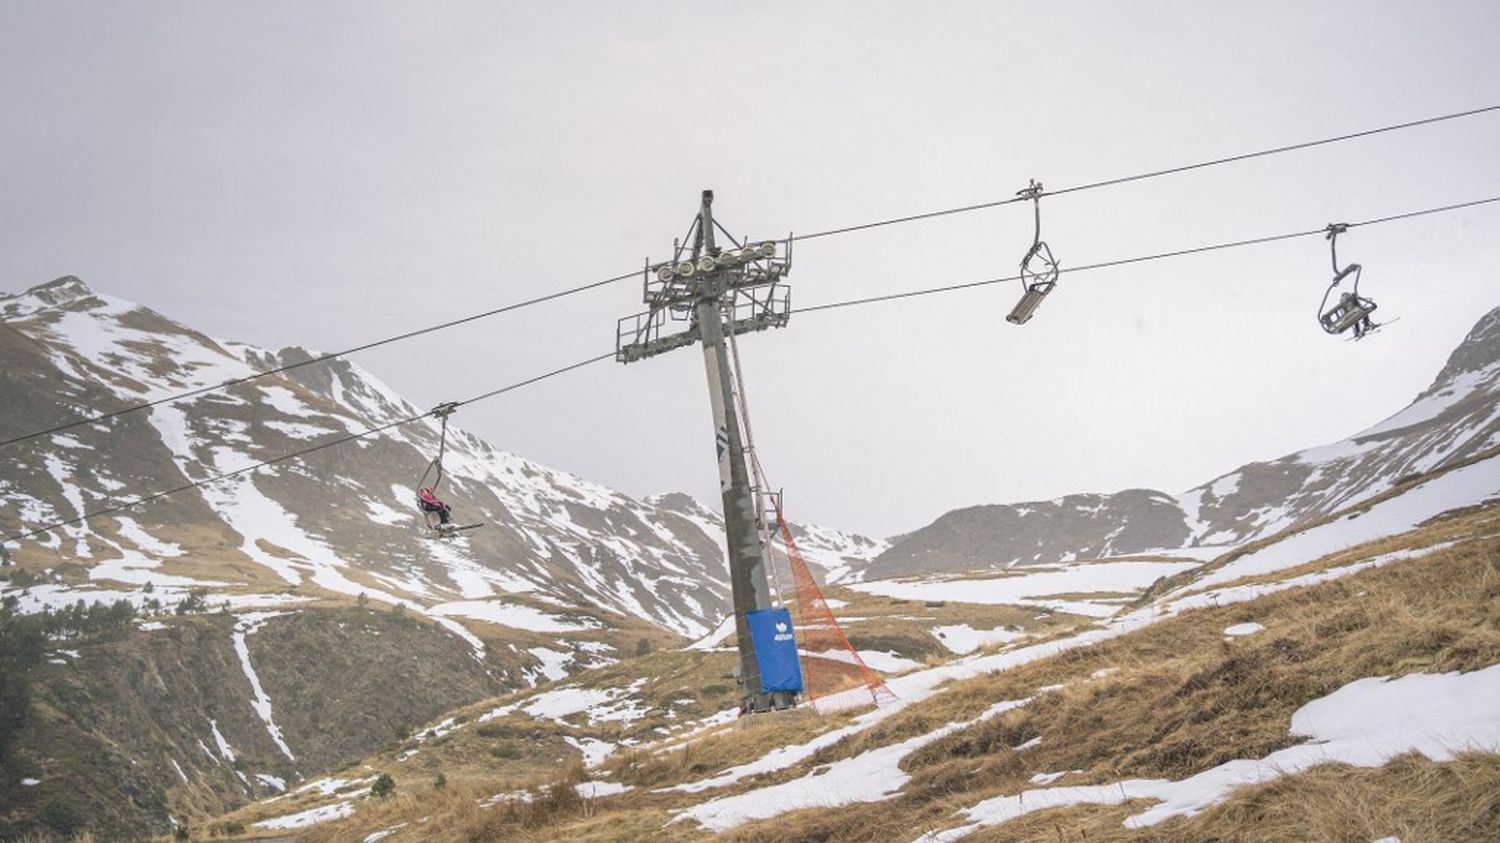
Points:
x=1037 y=280
x=1351 y=310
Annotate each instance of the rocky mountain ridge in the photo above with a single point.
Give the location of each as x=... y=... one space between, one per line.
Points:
x=1456 y=417
x=340 y=520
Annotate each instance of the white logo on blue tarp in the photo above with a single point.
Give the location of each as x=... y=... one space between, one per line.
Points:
x=782 y=633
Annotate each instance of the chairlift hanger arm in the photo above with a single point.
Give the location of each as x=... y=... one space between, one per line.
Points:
x=441 y=412
x=1034 y=192
x=1334 y=229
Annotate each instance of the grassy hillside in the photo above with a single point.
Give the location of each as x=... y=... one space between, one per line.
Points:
x=1206 y=676
x=123 y=733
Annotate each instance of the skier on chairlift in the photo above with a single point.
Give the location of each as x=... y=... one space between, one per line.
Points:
x=428 y=502
x=1364 y=325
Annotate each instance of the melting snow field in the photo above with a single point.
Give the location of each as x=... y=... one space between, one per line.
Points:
x=244 y=625
x=964 y=639
x=596 y=790
x=508 y=614
x=594 y=751
x=919 y=685
x=1035 y=588
x=311 y=816
x=1432 y=406
x=866 y=777
x=885 y=662
x=1460 y=487
x=1363 y=724
x=50 y=596
x=716 y=636
x=602 y=704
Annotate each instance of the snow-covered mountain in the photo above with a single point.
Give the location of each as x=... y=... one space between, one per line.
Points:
x=837 y=555
x=340 y=521
x=1455 y=418
x=342 y=622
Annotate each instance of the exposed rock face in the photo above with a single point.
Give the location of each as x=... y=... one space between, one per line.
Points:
x=999 y=536
x=1457 y=417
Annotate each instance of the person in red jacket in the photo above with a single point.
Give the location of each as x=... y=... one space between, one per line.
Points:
x=428 y=502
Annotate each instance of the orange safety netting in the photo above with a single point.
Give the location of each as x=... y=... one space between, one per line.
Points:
x=834 y=675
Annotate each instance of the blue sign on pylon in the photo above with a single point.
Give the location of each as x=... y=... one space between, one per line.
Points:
x=775 y=650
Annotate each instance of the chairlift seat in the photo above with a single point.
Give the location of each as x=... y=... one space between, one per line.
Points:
x=1347 y=313
x=1028 y=304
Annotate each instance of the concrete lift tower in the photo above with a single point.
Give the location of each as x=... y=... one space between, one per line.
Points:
x=706 y=293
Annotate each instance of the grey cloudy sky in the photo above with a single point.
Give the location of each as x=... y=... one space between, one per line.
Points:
x=322 y=174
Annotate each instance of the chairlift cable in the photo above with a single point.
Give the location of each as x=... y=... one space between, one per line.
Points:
x=813 y=308
x=324 y=358
x=1144 y=258
x=610 y=355
x=1155 y=173
x=815 y=235
x=342 y=440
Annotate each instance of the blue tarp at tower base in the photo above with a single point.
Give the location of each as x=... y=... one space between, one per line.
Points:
x=775 y=650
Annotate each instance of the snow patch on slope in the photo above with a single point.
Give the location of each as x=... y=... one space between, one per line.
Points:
x=1460 y=487
x=1035 y=587
x=1364 y=724
x=867 y=777
x=244 y=625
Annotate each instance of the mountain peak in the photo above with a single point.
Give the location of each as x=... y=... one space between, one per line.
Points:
x=56 y=293
x=677 y=502
x=61 y=290
x=1479 y=350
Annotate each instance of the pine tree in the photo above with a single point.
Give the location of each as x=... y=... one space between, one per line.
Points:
x=22 y=647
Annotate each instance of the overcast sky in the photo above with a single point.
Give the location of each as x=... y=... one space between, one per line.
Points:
x=324 y=174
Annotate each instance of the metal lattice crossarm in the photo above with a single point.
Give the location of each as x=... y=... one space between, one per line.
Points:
x=746 y=278
x=745 y=309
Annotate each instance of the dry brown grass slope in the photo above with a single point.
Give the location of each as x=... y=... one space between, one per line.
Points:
x=1167 y=701
x=1183 y=700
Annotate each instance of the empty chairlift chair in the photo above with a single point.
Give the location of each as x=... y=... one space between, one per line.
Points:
x=1039 y=269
